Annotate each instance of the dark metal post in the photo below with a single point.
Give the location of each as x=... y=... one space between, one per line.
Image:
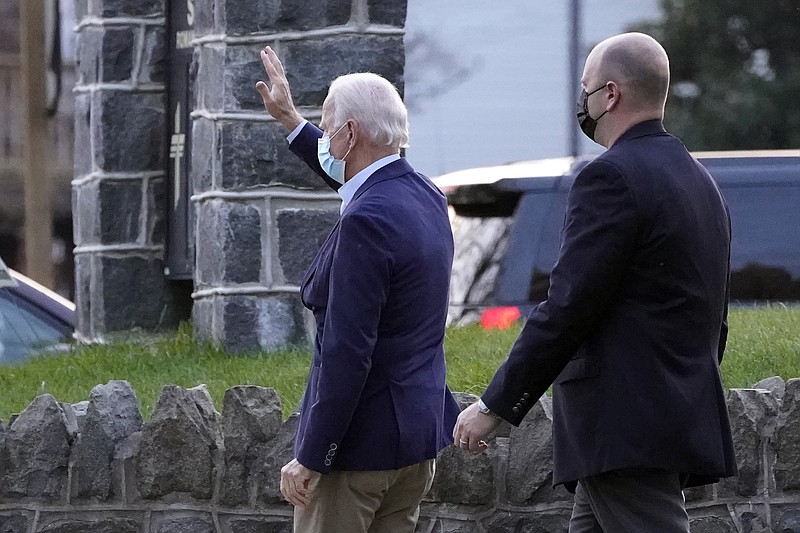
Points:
x=574 y=71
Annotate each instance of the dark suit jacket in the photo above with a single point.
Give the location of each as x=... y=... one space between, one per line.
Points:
x=376 y=397
x=635 y=323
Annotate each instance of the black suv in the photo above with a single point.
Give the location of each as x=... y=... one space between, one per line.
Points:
x=507 y=222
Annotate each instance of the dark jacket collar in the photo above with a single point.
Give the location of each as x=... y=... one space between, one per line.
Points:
x=390 y=171
x=648 y=127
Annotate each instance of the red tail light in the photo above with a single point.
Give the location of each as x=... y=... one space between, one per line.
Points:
x=499 y=317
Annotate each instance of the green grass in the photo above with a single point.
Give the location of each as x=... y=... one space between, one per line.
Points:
x=763 y=342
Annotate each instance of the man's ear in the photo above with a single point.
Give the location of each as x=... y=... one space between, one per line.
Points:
x=613 y=95
x=352 y=132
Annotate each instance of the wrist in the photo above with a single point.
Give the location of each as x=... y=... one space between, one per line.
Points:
x=483 y=408
x=290 y=120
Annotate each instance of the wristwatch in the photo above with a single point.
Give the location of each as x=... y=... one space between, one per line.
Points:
x=484 y=409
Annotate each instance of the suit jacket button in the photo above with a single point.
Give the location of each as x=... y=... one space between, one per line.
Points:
x=327 y=462
x=515 y=410
x=526 y=396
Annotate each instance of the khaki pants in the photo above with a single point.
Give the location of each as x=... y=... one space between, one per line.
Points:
x=376 y=501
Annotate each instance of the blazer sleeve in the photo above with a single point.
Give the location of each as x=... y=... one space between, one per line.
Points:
x=723 y=331
x=304 y=146
x=598 y=239
x=359 y=286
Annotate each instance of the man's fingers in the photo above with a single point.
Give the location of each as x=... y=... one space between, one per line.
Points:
x=271 y=64
x=263 y=90
x=275 y=61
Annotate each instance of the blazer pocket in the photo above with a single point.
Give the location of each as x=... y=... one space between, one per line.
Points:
x=578 y=368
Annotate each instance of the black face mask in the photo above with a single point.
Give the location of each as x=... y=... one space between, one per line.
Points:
x=586 y=122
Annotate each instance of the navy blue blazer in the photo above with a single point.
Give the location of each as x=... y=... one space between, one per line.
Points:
x=635 y=323
x=376 y=397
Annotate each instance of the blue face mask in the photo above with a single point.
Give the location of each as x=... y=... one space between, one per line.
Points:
x=333 y=167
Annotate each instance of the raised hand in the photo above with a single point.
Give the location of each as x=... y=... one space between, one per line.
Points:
x=278 y=97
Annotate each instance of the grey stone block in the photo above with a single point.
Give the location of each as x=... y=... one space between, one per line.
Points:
x=120 y=210
x=248 y=16
x=14 y=523
x=530 y=458
x=127 y=8
x=262 y=323
x=444 y=525
x=85 y=213
x=81 y=10
x=754 y=518
x=301 y=233
x=262 y=525
x=205 y=18
x=123 y=276
x=179 y=446
x=555 y=521
x=82 y=151
x=462 y=477
x=788 y=521
x=83 y=293
x=112 y=415
x=254 y=154
x=242 y=67
x=787 y=439
x=124 y=466
x=203 y=149
x=105 y=55
x=228 y=243
x=335 y=56
x=711 y=524
x=753 y=415
x=79 y=410
x=185 y=525
x=117 y=55
x=128 y=131
x=203 y=319
x=88 y=55
x=387 y=12
x=265 y=476
x=251 y=415
x=774 y=384
x=37 y=453
x=102 y=525
x=156 y=209
x=210 y=85
x=153 y=65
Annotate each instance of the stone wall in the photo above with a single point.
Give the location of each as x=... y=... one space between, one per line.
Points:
x=261 y=214
x=257 y=215
x=97 y=467
x=119 y=197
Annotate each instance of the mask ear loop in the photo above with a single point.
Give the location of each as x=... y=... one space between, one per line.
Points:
x=350 y=148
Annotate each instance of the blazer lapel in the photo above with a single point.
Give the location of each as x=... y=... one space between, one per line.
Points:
x=312 y=269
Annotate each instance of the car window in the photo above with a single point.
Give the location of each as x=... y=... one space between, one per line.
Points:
x=22 y=330
x=765 y=244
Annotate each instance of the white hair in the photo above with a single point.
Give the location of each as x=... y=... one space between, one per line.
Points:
x=374 y=103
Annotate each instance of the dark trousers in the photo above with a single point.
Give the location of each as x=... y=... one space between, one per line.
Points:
x=631 y=500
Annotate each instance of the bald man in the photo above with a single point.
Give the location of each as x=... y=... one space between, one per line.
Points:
x=634 y=327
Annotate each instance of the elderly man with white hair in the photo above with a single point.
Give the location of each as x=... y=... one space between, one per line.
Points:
x=376 y=409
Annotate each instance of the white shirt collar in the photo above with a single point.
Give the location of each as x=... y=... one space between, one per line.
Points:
x=348 y=190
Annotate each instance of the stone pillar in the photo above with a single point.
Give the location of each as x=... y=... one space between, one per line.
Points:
x=119 y=198
x=261 y=214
